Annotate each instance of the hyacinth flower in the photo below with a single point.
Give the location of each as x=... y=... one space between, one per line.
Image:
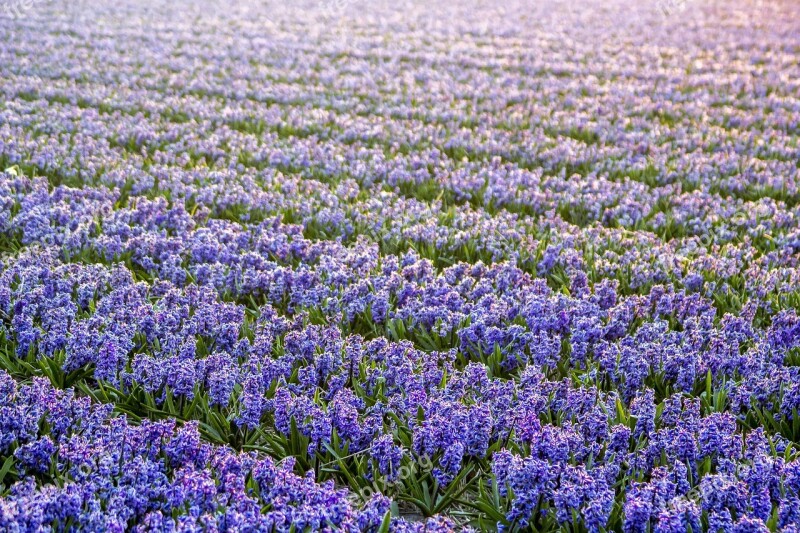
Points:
x=154 y=475
x=336 y=266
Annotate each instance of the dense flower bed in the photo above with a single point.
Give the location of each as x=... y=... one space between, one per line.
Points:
x=394 y=266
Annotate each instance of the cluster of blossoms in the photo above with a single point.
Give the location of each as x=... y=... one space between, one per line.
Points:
x=308 y=267
x=154 y=476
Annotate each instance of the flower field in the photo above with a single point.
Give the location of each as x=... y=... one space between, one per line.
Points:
x=377 y=266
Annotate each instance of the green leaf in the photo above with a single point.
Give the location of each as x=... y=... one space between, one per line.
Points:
x=6 y=468
x=387 y=521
